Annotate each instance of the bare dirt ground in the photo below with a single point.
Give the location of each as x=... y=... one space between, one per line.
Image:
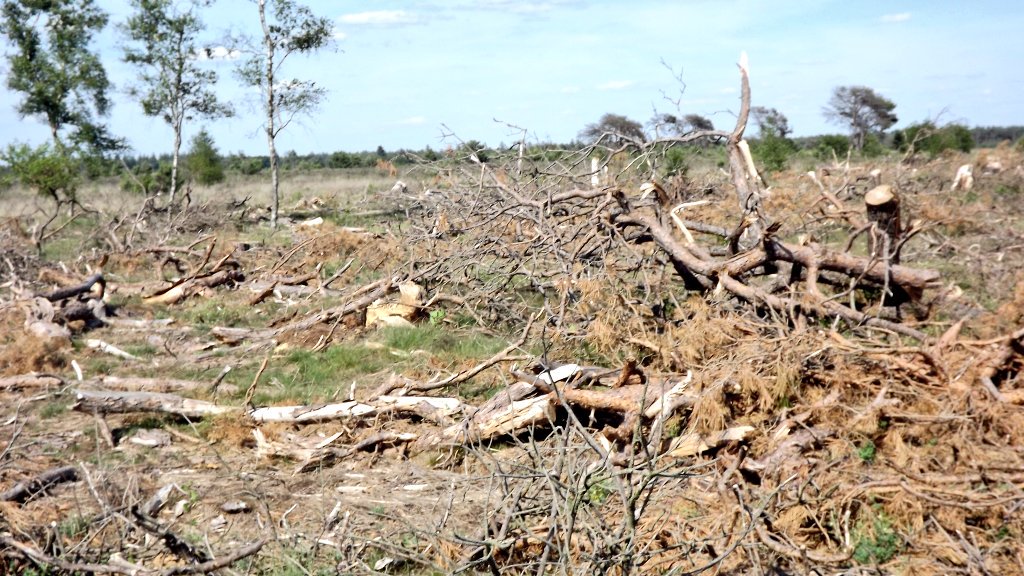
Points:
x=734 y=408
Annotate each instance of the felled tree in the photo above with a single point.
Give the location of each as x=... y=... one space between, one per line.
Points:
x=288 y=28
x=60 y=79
x=162 y=45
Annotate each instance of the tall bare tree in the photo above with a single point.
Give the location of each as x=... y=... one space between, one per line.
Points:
x=288 y=28
x=162 y=37
x=862 y=109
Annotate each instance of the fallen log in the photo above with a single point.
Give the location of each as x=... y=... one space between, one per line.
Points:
x=72 y=291
x=111 y=402
x=26 y=489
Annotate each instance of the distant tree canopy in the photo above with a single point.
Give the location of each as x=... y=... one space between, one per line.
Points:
x=673 y=125
x=617 y=127
x=51 y=65
x=770 y=120
x=863 y=110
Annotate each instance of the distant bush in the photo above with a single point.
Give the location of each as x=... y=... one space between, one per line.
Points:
x=148 y=178
x=204 y=163
x=773 y=151
x=832 y=143
x=929 y=139
x=677 y=161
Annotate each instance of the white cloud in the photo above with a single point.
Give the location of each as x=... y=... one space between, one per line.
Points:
x=413 y=121
x=891 y=18
x=616 y=85
x=379 y=18
x=339 y=36
x=217 y=53
x=570 y=90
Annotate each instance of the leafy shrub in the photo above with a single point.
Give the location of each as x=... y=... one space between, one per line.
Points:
x=773 y=151
x=927 y=138
x=832 y=143
x=51 y=173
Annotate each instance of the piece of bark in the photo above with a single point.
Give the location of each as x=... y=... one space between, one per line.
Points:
x=111 y=402
x=883 y=209
x=26 y=489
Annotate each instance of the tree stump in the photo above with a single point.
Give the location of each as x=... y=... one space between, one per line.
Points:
x=883 y=209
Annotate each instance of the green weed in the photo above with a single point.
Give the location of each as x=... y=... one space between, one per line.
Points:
x=876 y=545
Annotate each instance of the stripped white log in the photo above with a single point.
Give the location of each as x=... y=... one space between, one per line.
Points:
x=693 y=443
x=517 y=416
x=300 y=414
x=109 y=349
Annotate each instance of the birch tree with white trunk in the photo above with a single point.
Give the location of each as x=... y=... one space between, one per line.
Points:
x=287 y=28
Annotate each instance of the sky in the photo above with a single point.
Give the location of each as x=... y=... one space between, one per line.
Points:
x=411 y=74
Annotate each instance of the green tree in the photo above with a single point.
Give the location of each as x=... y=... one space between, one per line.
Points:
x=616 y=128
x=162 y=46
x=60 y=79
x=204 y=162
x=863 y=110
x=288 y=28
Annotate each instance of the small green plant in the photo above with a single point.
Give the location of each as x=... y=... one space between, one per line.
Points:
x=598 y=492
x=880 y=543
x=437 y=316
x=866 y=451
x=74 y=527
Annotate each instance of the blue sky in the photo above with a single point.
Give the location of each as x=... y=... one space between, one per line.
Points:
x=403 y=71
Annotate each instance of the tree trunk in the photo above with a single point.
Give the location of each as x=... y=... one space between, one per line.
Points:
x=268 y=44
x=174 y=158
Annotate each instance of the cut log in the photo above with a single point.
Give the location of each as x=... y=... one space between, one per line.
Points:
x=110 y=402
